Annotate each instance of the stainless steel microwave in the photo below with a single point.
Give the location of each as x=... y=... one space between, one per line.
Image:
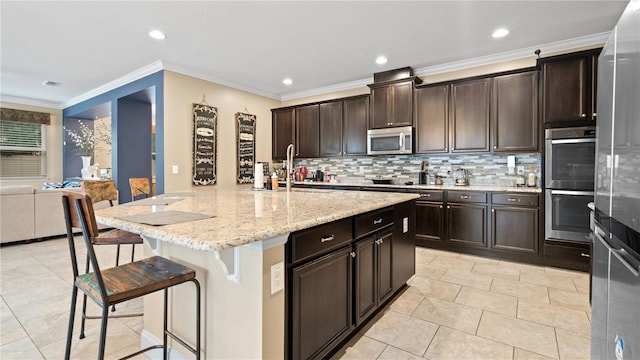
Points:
x=390 y=141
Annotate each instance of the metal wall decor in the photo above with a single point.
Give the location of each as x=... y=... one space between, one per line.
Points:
x=204 y=144
x=246 y=146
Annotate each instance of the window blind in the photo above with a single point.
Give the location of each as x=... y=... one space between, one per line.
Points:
x=22 y=149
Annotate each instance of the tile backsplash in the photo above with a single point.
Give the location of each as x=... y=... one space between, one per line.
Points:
x=485 y=169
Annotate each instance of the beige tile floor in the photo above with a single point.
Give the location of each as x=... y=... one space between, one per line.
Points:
x=456 y=307
x=465 y=307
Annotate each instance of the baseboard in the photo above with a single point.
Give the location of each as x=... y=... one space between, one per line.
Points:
x=146 y=340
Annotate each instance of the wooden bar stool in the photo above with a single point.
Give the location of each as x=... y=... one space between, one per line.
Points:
x=121 y=283
x=139 y=186
x=105 y=190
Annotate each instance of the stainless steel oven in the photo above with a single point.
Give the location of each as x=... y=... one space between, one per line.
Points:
x=567 y=216
x=570 y=158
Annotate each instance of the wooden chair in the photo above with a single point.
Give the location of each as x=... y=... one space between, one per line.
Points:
x=121 y=283
x=139 y=186
x=105 y=190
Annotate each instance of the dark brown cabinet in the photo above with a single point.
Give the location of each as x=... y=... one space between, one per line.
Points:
x=430 y=218
x=431 y=117
x=355 y=124
x=470 y=115
x=307 y=129
x=514 y=120
x=283 y=134
x=392 y=104
x=515 y=222
x=569 y=89
x=372 y=274
x=321 y=304
x=331 y=128
x=467 y=218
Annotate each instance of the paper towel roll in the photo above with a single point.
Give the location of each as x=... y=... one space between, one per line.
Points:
x=258 y=177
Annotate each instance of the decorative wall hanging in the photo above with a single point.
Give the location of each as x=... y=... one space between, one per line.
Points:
x=246 y=146
x=204 y=144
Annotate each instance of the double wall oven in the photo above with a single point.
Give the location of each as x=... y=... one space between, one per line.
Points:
x=569 y=182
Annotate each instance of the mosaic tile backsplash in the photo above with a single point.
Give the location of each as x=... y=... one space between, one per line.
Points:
x=485 y=169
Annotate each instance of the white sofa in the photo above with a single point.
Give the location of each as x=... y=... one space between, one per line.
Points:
x=27 y=213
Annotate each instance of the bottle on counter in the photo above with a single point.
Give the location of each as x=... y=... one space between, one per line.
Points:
x=274 y=181
x=531 y=178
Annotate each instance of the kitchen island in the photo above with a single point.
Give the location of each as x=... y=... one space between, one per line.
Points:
x=232 y=249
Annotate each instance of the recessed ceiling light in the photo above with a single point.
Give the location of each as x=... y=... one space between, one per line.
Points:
x=287 y=81
x=502 y=32
x=381 y=60
x=51 y=83
x=157 y=34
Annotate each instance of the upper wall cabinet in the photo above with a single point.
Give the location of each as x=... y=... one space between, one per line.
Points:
x=569 y=89
x=470 y=115
x=331 y=128
x=355 y=123
x=431 y=114
x=514 y=114
x=392 y=98
x=307 y=130
x=283 y=134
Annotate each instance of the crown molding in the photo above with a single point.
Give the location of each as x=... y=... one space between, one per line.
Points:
x=152 y=68
x=189 y=72
x=327 y=89
x=30 y=102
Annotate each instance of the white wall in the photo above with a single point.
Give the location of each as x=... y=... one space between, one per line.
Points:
x=54 y=146
x=180 y=93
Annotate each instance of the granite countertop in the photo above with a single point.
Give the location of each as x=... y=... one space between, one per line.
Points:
x=241 y=215
x=430 y=187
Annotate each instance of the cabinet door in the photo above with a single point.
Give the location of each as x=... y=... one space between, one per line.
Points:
x=402 y=104
x=429 y=221
x=432 y=118
x=384 y=275
x=380 y=107
x=355 y=124
x=307 y=126
x=567 y=92
x=515 y=112
x=321 y=303
x=467 y=224
x=365 y=283
x=515 y=229
x=331 y=128
x=282 y=122
x=470 y=115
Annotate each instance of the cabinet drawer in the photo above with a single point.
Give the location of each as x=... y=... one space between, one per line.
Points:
x=515 y=199
x=429 y=195
x=319 y=240
x=466 y=197
x=370 y=222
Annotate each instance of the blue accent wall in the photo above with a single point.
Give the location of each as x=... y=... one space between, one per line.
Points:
x=129 y=135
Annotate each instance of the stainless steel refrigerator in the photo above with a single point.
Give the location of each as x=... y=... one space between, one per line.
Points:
x=615 y=299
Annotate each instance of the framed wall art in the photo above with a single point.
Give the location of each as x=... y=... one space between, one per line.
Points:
x=204 y=144
x=246 y=146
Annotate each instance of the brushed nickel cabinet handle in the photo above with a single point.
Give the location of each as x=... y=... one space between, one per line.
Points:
x=327 y=238
x=583 y=115
x=512 y=199
x=464 y=196
x=585 y=255
x=353 y=254
x=425 y=195
x=376 y=222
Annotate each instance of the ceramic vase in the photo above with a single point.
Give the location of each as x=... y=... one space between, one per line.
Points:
x=86 y=164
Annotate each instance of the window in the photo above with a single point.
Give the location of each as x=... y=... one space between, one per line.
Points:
x=22 y=149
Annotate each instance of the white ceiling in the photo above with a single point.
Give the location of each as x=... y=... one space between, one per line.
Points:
x=88 y=46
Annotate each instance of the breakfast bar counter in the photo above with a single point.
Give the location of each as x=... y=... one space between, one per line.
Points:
x=232 y=236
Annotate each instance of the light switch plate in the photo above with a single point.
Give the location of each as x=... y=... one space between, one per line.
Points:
x=277 y=277
x=405 y=225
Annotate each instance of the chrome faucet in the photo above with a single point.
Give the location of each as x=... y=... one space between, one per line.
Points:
x=289 y=165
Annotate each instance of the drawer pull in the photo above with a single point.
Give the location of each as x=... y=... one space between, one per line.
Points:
x=327 y=238
x=376 y=222
x=512 y=199
x=464 y=196
x=425 y=195
x=353 y=254
x=585 y=255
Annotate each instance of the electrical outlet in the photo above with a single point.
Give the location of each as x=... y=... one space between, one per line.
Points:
x=405 y=225
x=277 y=277
x=520 y=169
x=174 y=169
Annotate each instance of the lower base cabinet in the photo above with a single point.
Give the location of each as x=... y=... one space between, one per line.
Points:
x=372 y=274
x=337 y=279
x=515 y=229
x=321 y=304
x=467 y=224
